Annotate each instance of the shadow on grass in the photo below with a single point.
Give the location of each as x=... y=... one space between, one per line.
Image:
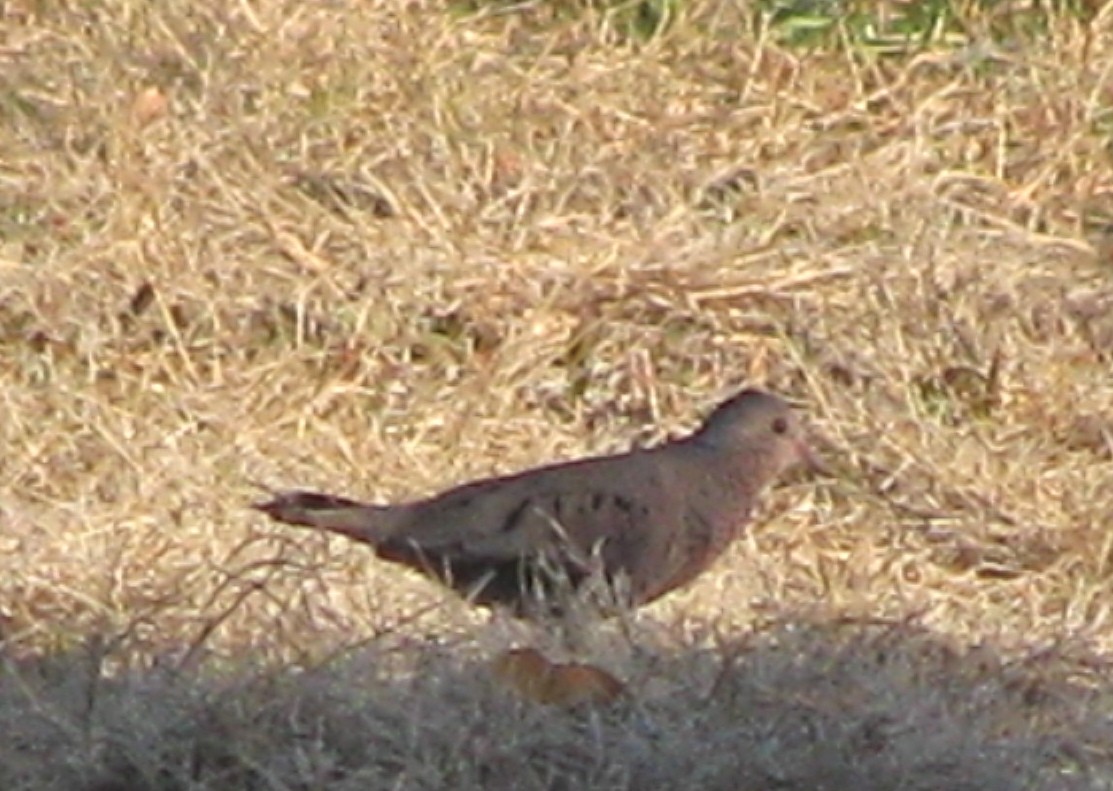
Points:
x=798 y=705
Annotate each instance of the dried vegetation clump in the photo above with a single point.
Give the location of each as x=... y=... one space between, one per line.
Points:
x=383 y=247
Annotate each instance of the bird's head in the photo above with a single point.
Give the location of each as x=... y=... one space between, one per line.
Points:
x=761 y=424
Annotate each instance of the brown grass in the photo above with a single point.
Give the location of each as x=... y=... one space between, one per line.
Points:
x=379 y=248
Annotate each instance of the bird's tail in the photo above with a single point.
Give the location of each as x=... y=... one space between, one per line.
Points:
x=327 y=512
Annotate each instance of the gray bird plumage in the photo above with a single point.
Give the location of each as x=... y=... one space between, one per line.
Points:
x=656 y=518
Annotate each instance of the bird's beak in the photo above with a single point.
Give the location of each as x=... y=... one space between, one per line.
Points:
x=811 y=460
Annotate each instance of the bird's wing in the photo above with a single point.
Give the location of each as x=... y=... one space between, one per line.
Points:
x=575 y=506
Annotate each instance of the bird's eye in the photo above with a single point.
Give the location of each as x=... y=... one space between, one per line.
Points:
x=780 y=425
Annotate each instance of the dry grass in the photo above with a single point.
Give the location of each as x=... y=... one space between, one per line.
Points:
x=379 y=248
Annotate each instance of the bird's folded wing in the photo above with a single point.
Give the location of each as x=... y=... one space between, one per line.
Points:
x=516 y=517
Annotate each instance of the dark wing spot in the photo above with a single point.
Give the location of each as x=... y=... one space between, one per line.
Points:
x=780 y=425
x=515 y=516
x=597 y=500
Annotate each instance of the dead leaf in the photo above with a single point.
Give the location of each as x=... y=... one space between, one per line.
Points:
x=149 y=105
x=569 y=685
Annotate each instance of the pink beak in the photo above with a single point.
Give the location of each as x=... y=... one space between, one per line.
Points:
x=810 y=459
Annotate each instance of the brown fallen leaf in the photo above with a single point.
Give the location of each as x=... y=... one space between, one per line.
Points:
x=568 y=685
x=149 y=105
x=576 y=684
x=524 y=669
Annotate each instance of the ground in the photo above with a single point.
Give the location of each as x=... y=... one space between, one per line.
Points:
x=379 y=248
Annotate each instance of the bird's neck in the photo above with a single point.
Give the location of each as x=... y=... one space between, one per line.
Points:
x=739 y=473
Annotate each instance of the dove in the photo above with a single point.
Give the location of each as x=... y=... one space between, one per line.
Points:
x=648 y=521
